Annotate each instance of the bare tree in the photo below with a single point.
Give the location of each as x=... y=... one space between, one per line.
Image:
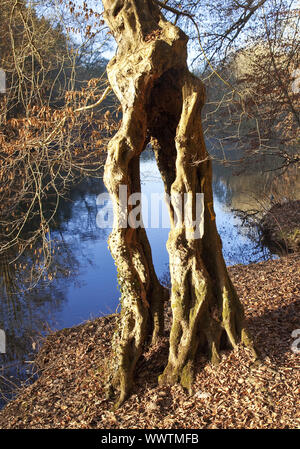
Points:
x=162 y=101
x=53 y=124
x=253 y=96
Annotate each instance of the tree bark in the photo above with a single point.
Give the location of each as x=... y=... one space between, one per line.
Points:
x=162 y=101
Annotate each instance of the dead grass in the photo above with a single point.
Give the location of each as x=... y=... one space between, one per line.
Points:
x=236 y=394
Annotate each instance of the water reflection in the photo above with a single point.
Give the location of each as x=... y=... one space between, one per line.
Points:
x=80 y=283
x=255 y=184
x=28 y=309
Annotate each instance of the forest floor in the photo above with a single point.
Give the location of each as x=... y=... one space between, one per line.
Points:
x=238 y=393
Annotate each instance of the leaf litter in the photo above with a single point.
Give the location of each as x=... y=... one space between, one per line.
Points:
x=238 y=393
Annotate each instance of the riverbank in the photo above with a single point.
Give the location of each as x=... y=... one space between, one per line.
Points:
x=281 y=227
x=236 y=394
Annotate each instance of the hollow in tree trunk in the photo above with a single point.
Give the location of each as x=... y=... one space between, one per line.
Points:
x=161 y=103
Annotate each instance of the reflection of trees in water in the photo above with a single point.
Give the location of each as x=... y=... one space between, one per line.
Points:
x=33 y=289
x=78 y=211
x=247 y=248
x=222 y=190
x=75 y=220
x=256 y=187
x=249 y=191
x=27 y=284
x=148 y=154
x=27 y=310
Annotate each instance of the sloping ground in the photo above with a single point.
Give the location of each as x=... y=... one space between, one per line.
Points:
x=236 y=394
x=281 y=227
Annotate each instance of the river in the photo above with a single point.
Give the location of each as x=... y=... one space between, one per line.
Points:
x=81 y=281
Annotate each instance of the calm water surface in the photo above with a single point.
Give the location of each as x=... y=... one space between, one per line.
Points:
x=95 y=292
x=84 y=281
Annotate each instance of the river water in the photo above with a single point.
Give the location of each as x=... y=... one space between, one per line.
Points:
x=81 y=282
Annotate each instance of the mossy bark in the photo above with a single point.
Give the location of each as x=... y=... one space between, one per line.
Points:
x=162 y=101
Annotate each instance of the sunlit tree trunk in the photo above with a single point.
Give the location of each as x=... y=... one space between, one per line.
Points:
x=161 y=100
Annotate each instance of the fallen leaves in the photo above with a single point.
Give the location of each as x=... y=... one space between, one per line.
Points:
x=238 y=393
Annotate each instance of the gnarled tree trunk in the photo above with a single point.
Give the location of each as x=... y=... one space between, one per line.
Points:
x=161 y=100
